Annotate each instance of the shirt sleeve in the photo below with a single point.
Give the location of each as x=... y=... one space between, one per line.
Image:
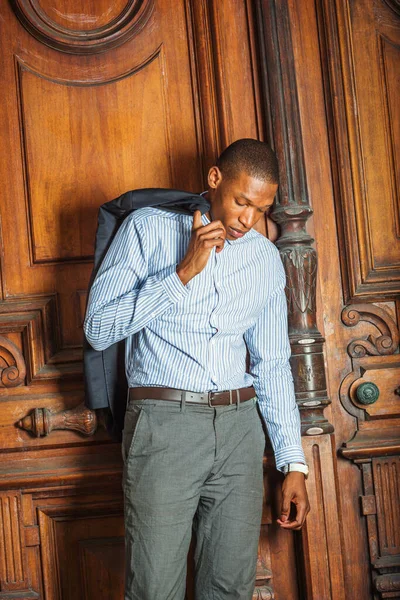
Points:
x=269 y=348
x=124 y=298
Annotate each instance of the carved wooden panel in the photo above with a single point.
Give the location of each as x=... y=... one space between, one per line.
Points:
x=371 y=393
x=66 y=27
x=62 y=228
x=381 y=507
x=100 y=99
x=12 y=559
x=373 y=386
x=95 y=547
x=364 y=78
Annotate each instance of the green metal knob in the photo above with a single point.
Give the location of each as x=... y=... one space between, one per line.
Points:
x=367 y=393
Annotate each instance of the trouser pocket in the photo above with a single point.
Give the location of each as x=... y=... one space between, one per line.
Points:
x=133 y=417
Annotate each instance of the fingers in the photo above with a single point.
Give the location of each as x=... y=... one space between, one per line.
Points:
x=213 y=234
x=285 y=508
x=197 y=222
x=302 y=509
x=293 y=525
x=210 y=235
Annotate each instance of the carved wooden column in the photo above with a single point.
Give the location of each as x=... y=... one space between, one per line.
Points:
x=292 y=212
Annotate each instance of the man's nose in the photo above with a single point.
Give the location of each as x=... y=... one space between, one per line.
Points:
x=248 y=217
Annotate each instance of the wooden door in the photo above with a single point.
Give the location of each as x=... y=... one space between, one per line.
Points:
x=99 y=98
x=347 y=61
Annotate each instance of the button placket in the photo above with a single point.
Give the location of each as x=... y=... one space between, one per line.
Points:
x=213 y=362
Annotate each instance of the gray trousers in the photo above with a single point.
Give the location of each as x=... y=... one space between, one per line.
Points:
x=192 y=467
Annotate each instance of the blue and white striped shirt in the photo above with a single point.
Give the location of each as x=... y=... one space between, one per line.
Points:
x=194 y=337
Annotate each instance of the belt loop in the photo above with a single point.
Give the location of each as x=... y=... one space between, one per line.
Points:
x=237 y=399
x=183 y=403
x=230 y=397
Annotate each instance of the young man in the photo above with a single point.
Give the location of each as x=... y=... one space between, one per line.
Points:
x=192 y=295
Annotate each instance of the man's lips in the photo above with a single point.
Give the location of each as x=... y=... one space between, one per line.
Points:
x=237 y=233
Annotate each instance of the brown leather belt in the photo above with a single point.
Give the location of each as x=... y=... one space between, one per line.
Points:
x=210 y=398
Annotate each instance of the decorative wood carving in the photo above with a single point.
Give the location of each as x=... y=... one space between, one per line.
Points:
x=374 y=442
x=12 y=364
x=380 y=506
x=262 y=591
x=35 y=319
x=76 y=39
x=291 y=212
x=374 y=363
x=385 y=344
x=41 y=421
x=12 y=555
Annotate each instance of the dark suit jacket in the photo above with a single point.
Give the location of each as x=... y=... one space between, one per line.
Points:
x=104 y=371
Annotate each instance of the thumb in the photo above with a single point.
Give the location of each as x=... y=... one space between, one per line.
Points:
x=197 y=222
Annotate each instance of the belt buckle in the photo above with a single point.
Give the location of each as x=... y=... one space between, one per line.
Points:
x=210 y=398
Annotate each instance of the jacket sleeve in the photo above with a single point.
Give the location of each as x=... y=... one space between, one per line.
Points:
x=269 y=349
x=124 y=298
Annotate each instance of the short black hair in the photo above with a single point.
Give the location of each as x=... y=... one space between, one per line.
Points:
x=253 y=157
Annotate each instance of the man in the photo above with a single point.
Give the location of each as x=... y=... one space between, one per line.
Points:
x=192 y=295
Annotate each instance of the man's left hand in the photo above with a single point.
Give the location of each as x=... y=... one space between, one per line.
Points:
x=294 y=491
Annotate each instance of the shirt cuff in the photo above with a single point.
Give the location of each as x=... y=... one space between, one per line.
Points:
x=288 y=455
x=172 y=284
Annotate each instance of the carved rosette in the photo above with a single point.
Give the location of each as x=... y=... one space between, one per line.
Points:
x=12 y=364
x=300 y=261
x=41 y=421
x=77 y=38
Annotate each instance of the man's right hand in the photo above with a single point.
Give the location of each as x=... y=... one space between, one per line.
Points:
x=204 y=238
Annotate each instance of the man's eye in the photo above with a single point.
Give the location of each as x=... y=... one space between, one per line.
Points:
x=238 y=203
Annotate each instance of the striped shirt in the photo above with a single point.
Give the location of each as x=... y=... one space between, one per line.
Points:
x=194 y=337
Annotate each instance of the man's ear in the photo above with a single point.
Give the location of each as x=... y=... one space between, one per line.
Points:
x=214 y=177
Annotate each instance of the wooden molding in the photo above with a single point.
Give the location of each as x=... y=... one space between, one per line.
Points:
x=131 y=19
x=35 y=319
x=12 y=553
x=394 y=5
x=368 y=262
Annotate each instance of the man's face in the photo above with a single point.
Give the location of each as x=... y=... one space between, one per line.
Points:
x=239 y=202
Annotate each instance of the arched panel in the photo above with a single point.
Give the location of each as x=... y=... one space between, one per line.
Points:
x=65 y=26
